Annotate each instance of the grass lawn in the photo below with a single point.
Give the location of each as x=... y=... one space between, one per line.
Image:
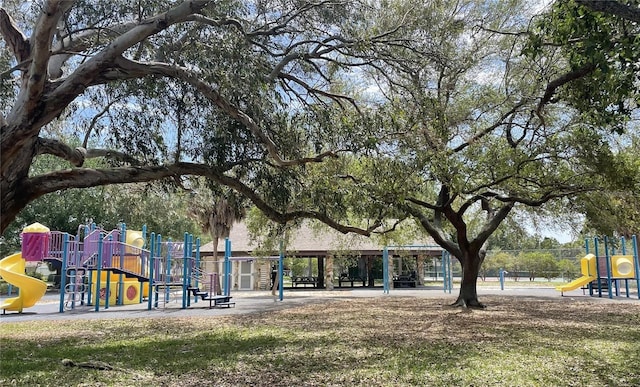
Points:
x=395 y=341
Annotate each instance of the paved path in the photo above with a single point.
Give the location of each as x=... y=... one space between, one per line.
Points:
x=262 y=301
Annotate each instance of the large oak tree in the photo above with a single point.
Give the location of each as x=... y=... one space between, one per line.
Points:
x=487 y=113
x=230 y=90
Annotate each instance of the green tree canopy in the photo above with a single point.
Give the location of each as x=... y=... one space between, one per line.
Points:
x=470 y=124
x=236 y=91
x=596 y=46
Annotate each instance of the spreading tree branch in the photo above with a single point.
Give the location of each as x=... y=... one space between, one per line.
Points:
x=491 y=225
x=561 y=81
x=84 y=178
x=137 y=69
x=72 y=44
x=15 y=39
x=436 y=232
x=613 y=7
x=77 y=156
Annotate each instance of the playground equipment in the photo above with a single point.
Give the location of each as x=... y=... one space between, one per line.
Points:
x=588 y=270
x=31 y=289
x=608 y=271
x=35 y=239
x=99 y=269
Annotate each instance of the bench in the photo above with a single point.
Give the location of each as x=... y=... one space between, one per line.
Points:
x=404 y=281
x=346 y=279
x=313 y=281
x=225 y=304
x=221 y=301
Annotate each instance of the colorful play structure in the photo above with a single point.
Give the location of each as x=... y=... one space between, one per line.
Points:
x=608 y=270
x=119 y=267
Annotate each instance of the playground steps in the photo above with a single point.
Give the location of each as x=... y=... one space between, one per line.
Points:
x=214 y=300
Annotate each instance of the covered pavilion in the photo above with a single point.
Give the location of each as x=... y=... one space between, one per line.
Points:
x=252 y=271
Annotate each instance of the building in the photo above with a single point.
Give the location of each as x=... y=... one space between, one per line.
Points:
x=334 y=259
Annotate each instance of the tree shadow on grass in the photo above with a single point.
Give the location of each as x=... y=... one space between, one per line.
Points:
x=378 y=341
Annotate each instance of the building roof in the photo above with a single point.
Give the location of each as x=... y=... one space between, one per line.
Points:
x=313 y=242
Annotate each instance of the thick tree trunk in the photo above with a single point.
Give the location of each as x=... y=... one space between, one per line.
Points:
x=14 y=196
x=468 y=297
x=371 y=282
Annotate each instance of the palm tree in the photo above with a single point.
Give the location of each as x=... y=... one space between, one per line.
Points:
x=216 y=215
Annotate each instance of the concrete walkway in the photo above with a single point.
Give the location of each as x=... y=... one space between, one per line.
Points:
x=262 y=301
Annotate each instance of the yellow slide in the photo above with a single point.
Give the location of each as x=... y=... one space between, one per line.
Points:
x=588 y=270
x=31 y=289
x=575 y=284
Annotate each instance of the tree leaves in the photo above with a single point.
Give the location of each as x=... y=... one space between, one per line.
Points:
x=609 y=45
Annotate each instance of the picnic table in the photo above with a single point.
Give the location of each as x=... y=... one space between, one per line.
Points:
x=302 y=280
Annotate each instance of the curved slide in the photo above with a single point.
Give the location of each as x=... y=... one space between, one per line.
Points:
x=31 y=289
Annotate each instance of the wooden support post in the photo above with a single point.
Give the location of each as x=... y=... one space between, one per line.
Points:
x=420 y=269
x=328 y=272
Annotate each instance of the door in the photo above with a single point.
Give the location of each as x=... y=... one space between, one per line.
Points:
x=246 y=275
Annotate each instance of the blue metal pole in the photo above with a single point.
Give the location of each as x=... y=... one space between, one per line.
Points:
x=281 y=272
x=624 y=252
x=151 y=265
x=98 y=279
x=227 y=267
x=190 y=261
x=123 y=242
x=586 y=252
x=197 y=267
x=164 y=280
x=185 y=272
x=636 y=259
x=450 y=272
x=501 y=279
x=144 y=236
x=385 y=270
x=90 y=279
x=63 y=272
x=167 y=269
x=108 y=276
x=608 y=264
x=445 y=278
x=595 y=249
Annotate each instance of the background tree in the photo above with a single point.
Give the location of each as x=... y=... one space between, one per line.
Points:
x=512 y=235
x=568 y=269
x=216 y=212
x=494 y=261
x=538 y=263
x=600 y=58
x=616 y=212
x=515 y=267
x=469 y=126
